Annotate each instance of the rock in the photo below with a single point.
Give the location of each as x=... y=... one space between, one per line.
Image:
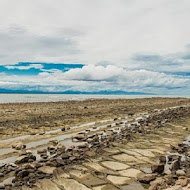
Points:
x=22 y=159
x=65 y=156
x=158 y=168
x=81 y=146
x=175 y=165
x=183 y=181
x=46 y=169
x=2 y=165
x=173 y=157
x=147 y=178
x=162 y=159
x=23 y=173
x=51 y=148
x=25 y=158
x=1 y=175
x=79 y=137
x=63 y=129
x=41 y=151
x=90 y=153
x=155 y=185
x=54 y=142
x=180 y=173
x=60 y=149
x=18 y=146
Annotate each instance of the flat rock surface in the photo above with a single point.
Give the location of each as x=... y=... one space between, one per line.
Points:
x=115 y=165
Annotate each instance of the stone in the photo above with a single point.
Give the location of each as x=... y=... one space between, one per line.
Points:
x=61 y=149
x=111 y=150
x=183 y=181
x=115 y=165
x=99 y=168
x=180 y=173
x=70 y=184
x=157 y=183
x=144 y=152
x=18 y=146
x=157 y=168
x=47 y=169
x=54 y=142
x=41 y=151
x=90 y=153
x=46 y=184
x=132 y=173
x=22 y=159
x=117 y=180
x=105 y=187
x=162 y=159
x=175 y=165
x=132 y=186
x=147 y=178
x=87 y=178
x=125 y=158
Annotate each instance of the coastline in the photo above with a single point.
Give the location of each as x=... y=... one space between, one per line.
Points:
x=156 y=121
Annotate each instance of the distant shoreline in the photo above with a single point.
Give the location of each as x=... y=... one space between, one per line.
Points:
x=39 y=98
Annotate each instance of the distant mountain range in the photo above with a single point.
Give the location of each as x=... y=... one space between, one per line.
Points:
x=104 y=92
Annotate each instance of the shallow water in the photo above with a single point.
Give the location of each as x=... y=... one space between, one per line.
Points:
x=12 y=98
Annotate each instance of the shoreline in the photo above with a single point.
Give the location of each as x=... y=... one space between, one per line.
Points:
x=173 y=114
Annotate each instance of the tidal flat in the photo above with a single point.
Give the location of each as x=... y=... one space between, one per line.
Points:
x=94 y=144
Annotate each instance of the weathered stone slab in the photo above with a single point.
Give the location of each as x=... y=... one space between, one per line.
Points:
x=115 y=165
x=46 y=184
x=132 y=173
x=144 y=152
x=133 y=186
x=111 y=150
x=60 y=173
x=105 y=187
x=70 y=184
x=87 y=178
x=117 y=180
x=132 y=153
x=47 y=169
x=99 y=168
x=125 y=158
x=157 y=151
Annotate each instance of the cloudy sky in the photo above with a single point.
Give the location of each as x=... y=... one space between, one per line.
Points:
x=85 y=45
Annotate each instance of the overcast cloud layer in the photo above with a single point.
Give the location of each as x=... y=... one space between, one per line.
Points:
x=129 y=45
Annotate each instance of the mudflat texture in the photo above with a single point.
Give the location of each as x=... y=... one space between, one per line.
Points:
x=26 y=118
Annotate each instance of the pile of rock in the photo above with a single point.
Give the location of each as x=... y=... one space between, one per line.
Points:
x=173 y=170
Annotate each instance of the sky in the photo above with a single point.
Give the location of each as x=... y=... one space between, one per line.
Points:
x=85 y=45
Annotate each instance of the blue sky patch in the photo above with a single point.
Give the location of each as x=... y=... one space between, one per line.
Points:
x=29 y=68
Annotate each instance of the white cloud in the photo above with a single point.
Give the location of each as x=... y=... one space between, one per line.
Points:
x=94 y=31
x=107 y=33
x=96 y=78
x=31 y=66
